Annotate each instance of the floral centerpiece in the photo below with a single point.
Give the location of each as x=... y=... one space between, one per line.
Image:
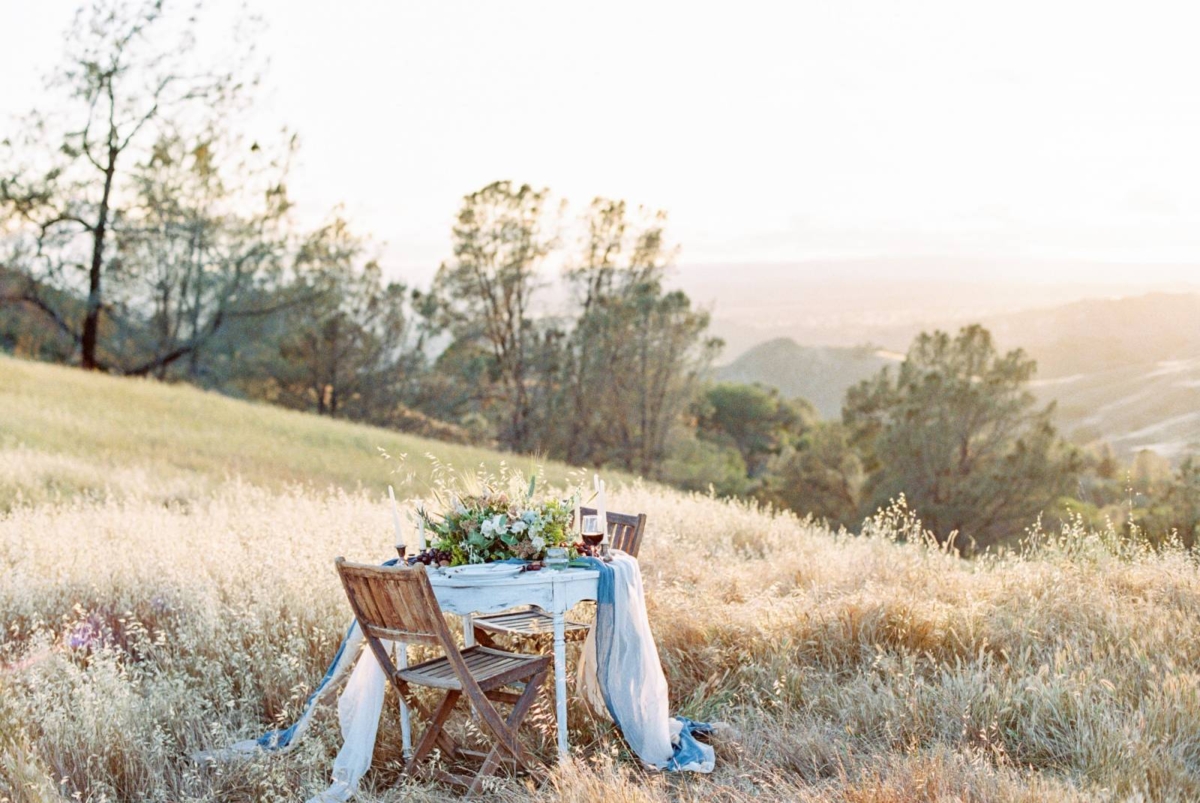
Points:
x=491 y=526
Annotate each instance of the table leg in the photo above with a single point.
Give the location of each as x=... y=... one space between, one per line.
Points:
x=560 y=681
x=468 y=623
x=401 y=658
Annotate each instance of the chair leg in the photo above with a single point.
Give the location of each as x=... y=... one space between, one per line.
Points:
x=433 y=731
x=517 y=716
x=448 y=745
x=513 y=725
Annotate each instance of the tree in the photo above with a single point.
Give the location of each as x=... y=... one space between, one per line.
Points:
x=756 y=421
x=205 y=246
x=636 y=351
x=349 y=348
x=486 y=292
x=1173 y=509
x=592 y=346
x=958 y=432
x=669 y=356
x=1149 y=474
x=124 y=75
x=1106 y=462
x=699 y=465
x=819 y=474
x=1182 y=499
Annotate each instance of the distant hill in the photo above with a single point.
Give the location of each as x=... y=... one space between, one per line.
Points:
x=1123 y=370
x=1104 y=333
x=888 y=300
x=819 y=374
x=1153 y=406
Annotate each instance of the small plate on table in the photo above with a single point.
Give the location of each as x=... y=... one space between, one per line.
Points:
x=484 y=570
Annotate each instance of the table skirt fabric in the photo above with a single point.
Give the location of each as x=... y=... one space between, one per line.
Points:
x=620 y=673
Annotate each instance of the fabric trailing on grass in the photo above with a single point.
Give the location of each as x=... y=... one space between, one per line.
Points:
x=621 y=673
x=359 y=707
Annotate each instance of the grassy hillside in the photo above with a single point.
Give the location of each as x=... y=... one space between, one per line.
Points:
x=88 y=433
x=170 y=615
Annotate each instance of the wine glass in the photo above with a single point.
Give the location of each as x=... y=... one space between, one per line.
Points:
x=593 y=532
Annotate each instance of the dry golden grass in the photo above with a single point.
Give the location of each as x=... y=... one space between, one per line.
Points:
x=165 y=616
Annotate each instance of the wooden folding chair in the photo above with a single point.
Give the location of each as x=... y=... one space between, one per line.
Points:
x=624 y=533
x=398 y=604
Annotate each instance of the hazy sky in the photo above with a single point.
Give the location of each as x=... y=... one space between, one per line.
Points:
x=770 y=132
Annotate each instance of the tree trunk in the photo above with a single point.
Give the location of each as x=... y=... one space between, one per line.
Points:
x=91 y=320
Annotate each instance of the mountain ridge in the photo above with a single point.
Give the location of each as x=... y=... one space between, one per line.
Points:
x=1123 y=370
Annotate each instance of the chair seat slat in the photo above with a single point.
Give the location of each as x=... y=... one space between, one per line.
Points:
x=530 y=623
x=484 y=665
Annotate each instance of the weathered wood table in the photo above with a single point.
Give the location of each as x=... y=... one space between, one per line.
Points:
x=554 y=591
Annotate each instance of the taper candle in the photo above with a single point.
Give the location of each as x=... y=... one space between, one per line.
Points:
x=602 y=512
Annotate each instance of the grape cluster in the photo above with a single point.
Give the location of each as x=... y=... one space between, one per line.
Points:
x=431 y=557
x=585 y=550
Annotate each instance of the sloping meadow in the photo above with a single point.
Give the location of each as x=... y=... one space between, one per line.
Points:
x=142 y=627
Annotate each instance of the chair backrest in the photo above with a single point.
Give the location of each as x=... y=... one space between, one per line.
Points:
x=395 y=603
x=624 y=530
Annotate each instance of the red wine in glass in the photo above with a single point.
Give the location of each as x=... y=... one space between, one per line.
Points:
x=593 y=534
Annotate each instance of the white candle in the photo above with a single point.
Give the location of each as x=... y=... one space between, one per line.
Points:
x=396 y=518
x=602 y=511
x=421 y=529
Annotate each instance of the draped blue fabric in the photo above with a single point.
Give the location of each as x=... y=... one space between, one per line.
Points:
x=687 y=751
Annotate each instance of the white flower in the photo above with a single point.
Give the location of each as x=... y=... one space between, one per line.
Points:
x=518 y=526
x=495 y=525
x=538 y=542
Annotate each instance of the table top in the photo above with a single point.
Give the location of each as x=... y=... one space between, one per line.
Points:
x=553 y=590
x=540 y=577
